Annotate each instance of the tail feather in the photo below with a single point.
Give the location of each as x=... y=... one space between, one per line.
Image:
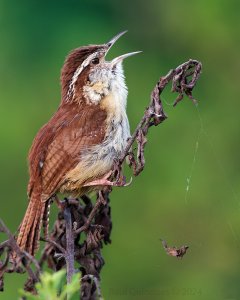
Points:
x=33 y=241
x=30 y=228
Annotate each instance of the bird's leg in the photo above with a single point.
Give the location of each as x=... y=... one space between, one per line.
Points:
x=105 y=182
x=102 y=181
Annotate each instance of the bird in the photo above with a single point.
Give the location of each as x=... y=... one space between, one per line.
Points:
x=75 y=151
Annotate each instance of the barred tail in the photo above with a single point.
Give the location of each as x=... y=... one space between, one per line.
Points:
x=30 y=228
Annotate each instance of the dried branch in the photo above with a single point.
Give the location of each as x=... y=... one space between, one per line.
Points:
x=81 y=228
x=184 y=79
x=69 y=256
x=18 y=259
x=100 y=201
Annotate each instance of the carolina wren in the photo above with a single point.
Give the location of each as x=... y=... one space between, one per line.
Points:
x=74 y=152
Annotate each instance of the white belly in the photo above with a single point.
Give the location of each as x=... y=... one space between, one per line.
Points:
x=98 y=160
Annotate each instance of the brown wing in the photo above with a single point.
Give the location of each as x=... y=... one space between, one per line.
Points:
x=56 y=148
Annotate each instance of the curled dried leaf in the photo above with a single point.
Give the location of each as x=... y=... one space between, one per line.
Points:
x=174 y=251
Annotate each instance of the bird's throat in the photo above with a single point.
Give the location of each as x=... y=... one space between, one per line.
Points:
x=94 y=93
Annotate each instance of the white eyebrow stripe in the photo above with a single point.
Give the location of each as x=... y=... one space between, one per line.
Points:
x=85 y=63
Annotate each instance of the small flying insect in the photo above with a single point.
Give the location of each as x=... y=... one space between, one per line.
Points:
x=174 y=251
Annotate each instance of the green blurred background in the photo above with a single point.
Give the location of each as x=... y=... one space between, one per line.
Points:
x=35 y=38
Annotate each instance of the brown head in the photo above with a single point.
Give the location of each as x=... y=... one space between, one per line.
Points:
x=86 y=66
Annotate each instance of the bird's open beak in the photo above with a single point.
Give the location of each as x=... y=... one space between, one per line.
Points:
x=120 y=58
x=114 y=39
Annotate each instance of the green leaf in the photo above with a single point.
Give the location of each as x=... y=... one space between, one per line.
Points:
x=71 y=289
x=53 y=287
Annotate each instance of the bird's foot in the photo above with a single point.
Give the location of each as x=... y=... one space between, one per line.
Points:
x=106 y=182
x=122 y=182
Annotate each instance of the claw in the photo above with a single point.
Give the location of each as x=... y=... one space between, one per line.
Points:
x=123 y=182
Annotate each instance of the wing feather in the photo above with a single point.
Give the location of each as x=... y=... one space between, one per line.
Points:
x=57 y=147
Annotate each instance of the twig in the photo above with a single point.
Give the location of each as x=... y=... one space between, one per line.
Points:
x=92 y=214
x=19 y=256
x=11 y=243
x=56 y=245
x=69 y=255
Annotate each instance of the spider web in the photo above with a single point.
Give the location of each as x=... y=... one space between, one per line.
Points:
x=203 y=133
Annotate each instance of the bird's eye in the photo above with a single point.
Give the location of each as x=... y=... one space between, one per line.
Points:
x=95 y=61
